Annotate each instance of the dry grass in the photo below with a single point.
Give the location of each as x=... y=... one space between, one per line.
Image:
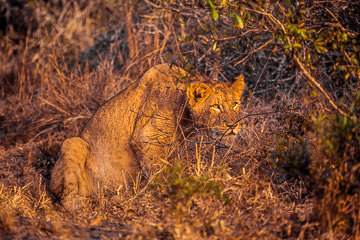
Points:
x=80 y=53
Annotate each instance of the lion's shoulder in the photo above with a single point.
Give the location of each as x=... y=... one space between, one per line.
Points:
x=166 y=75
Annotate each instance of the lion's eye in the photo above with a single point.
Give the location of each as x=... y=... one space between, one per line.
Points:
x=216 y=107
x=235 y=105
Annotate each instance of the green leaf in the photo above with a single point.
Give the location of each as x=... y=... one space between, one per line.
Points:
x=320 y=49
x=180 y=38
x=303 y=34
x=344 y=37
x=319 y=39
x=214 y=46
x=355 y=61
x=297 y=45
x=239 y=22
x=214 y=14
x=345 y=121
x=212 y=6
x=347 y=75
x=292 y=28
x=334 y=46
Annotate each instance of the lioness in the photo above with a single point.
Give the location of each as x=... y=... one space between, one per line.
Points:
x=133 y=130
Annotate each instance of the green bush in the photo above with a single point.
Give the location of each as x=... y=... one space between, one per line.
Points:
x=182 y=187
x=337 y=175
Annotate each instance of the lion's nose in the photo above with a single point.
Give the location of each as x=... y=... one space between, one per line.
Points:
x=231 y=128
x=230 y=125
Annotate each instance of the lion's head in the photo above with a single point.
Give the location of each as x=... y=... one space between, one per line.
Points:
x=215 y=106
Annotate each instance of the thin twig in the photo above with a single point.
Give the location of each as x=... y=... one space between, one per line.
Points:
x=312 y=79
x=253 y=51
x=54 y=106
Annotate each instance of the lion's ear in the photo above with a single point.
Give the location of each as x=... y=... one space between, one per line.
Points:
x=197 y=93
x=238 y=86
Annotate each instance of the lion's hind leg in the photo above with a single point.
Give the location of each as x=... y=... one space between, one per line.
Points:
x=69 y=179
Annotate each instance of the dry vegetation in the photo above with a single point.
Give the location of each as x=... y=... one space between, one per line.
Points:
x=294 y=172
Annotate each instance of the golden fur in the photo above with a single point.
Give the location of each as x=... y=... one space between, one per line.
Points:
x=134 y=129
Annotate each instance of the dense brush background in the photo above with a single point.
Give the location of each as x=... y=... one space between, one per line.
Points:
x=293 y=173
